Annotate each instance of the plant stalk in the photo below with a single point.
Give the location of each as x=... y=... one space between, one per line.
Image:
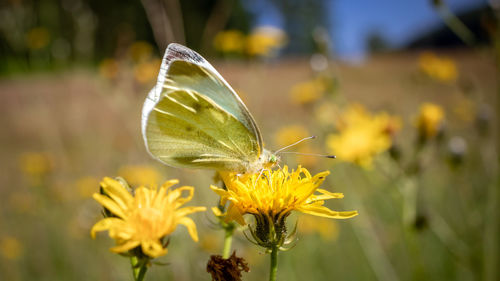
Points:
x=228 y=240
x=139 y=268
x=274 y=264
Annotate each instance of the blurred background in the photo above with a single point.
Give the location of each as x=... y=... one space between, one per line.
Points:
x=403 y=92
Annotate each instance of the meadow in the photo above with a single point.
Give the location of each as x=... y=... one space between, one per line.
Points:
x=427 y=194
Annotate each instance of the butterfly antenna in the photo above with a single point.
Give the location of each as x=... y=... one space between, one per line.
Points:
x=295 y=143
x=310 y=154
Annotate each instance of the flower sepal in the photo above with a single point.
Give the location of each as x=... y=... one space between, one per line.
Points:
x=271 y=232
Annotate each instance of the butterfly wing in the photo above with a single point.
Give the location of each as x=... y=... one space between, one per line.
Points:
x=193 y=118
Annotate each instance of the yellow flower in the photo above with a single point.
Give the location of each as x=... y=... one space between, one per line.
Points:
x=108 y=68
x=265 y=41
x=229 y=41
x=11 y=248
x=307 y=92
x=275 y=194
x=290 y=134
x=439 y=68
x=140 y=51
x=362 y=136
x=139 y=175
x=430 y=120
x=36 y=165
x=37 y=38
x=147 y=71
x=144 y=219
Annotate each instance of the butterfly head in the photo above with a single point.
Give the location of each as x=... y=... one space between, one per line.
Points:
x=269 y=159
x=266 y=161
x=273 y=159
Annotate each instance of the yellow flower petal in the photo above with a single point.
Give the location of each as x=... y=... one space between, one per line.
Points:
x=115 y=190
x=322 y=211
x=177 y=193
x=109 y=204
x=153 y=248
x=189 y=210
x=328 y=195
x=217 y=211
x=234 y=214
x=129 y=245
x=221 y=192
x=102 y=225
x=191 y=227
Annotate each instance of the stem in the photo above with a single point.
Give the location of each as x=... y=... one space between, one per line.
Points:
x=410 y=199
x=142 y=273
x=139 y=268
x=228 y=239
x=274 y=264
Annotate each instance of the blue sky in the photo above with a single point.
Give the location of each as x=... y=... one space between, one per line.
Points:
x=397 y=21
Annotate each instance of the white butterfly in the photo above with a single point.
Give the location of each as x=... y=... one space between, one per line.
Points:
x=192 y=118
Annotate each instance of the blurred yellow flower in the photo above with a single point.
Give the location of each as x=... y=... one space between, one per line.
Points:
x=307 y=92
x=139 y=175
x=308 y=160
x=11 y=248
x=108 y=68
x=274 y=194
x=265 y=41
x=229 y=41
x=146 y=218
x=430 y=120
x=290 y=134
x=140 y=51
x=439 y=68
x=327 y=229
x=37 y=38
x=36 y=165
x=361 y=136
x=147 y=71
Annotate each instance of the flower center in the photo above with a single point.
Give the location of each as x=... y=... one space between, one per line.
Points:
x=152 y=223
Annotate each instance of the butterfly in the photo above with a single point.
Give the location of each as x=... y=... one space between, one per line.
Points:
x=192 y=118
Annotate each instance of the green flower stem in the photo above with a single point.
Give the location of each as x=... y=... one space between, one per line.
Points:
x=228 y=240
x=139 y=268
x=274 y=264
